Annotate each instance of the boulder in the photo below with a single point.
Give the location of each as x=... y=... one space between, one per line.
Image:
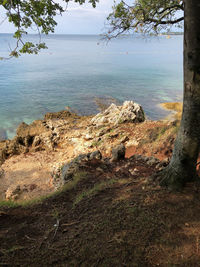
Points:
x=118 y=152
x=128 y=112
x=63 y=174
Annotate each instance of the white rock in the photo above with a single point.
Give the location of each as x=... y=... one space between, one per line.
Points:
x=132 y=142
x=128 y=112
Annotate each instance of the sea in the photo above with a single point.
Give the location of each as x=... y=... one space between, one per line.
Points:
x=76 y=70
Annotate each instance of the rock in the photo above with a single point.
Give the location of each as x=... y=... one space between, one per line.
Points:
x=133 y=171
x=13 y=193
x=15 y=146
x=132 y=142
x=37 y=141
x=89 y=137
x=69 y=169
x=152 y=161
x=118 y=152
x=131 y=112
x=39 y=135
x=148 y=160
x=63 y=174
x=95 y=155
x=128 y=112
x=102 y=131
x=36 y=128
x=61 y=115
x=33 y=135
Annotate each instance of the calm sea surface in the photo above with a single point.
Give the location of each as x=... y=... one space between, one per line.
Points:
x=77 y=68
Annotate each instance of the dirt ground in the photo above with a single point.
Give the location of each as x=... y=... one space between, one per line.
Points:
x=109 y=215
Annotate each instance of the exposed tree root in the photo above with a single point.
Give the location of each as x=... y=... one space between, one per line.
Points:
x=174 y=180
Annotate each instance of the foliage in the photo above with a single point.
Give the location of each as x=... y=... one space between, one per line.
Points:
x=144 y=16
x=33 y=14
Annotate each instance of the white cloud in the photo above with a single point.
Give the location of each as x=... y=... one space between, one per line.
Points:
x=77 y=18
x=84 y=18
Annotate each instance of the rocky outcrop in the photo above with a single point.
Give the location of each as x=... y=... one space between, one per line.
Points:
x=54 y=129
x=128 y=112
x=63 y=174
x=39 y=135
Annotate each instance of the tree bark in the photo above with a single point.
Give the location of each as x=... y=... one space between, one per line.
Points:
x=182 y=167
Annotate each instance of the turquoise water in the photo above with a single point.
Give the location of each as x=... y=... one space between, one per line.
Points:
x=75 y=69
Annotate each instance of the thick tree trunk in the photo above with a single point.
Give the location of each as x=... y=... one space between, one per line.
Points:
x=182 y=167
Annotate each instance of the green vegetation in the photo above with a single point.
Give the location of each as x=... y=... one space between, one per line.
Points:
x=145 y=16
x=8 y=204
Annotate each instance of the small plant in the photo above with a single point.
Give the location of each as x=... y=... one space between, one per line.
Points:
x=9 y=204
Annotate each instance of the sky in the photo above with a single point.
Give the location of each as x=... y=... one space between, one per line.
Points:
x=77 y=20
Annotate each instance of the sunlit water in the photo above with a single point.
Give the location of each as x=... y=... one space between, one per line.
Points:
x=75 y=69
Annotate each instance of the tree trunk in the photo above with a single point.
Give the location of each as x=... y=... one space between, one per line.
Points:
x=182 y=167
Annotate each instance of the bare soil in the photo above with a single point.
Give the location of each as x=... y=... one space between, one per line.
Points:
x=110 y=217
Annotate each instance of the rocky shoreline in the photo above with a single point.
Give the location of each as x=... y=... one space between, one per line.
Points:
x=42 y=148
x=47 y=134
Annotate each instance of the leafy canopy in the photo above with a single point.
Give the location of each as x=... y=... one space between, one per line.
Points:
x=144 y=16
x=34 y=14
